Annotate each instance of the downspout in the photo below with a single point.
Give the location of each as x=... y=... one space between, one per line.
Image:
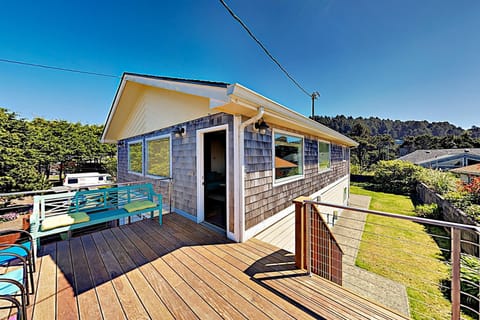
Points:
x=241 y=161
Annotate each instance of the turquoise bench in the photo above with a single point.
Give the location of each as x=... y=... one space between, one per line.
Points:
x=64 y=212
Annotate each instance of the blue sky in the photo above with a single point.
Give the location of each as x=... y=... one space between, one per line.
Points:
x=406 y=60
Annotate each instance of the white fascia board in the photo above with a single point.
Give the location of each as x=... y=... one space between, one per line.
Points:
x=275 y=109
x=217 y=95
x=112 y=111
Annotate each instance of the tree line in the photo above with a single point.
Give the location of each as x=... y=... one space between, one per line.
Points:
x=385 y=139
x=29 y=149
x=397 y=129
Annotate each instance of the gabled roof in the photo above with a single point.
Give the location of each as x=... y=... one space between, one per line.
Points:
x=219 y=97
x=193 y=81
x=422 y=156
x=473 y=170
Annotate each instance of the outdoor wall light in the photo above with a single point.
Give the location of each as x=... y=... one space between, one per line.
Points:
x=261 y=126
x=179 y=132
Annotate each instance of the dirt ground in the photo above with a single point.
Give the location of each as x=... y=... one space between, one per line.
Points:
x=17 y=223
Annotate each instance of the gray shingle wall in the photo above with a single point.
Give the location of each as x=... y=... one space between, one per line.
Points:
x=262 y=199
x=258 y=150
x=184 y=194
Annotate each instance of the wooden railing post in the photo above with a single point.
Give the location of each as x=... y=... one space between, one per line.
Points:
x=300 y=233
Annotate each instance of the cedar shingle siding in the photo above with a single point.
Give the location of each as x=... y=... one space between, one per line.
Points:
x=262 y=199
x=183 y=161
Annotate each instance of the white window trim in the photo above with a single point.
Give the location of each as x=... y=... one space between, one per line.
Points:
x=329 y=156
x=128 y=156
x=169 y=137
x=281 y=181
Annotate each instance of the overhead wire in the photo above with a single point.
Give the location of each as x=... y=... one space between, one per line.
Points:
x=58 y=68
x=264 y=48
x=313 y=95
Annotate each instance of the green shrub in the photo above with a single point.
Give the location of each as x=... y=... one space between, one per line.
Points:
x=356 y=169
x=459 y=199
x=473 y=211
x=430 y=211
x=396 y=176
x=473 y=187
x=439 y=181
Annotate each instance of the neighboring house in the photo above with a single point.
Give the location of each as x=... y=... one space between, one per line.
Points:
x=237 y=159
x=444 y=159
x=468 y=173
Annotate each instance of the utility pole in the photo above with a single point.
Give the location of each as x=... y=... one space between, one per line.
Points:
x=314 y=96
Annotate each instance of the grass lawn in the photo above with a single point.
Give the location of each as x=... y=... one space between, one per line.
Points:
x=404 y=252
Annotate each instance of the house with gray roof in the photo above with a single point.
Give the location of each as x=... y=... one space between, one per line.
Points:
x=468 y=173
x=443 y=159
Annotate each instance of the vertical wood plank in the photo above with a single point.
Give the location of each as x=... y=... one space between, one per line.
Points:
x=109 y=304
x=45 y=303
x=88 y=304
x=130 y=303
x=66 y=298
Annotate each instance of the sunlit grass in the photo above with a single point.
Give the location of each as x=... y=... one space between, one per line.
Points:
x=403 y=251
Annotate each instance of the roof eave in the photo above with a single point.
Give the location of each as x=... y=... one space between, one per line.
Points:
x=299 y=120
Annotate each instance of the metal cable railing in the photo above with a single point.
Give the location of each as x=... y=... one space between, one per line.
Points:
x=422 y=268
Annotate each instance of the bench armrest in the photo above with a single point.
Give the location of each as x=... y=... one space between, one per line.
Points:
x=158 y=196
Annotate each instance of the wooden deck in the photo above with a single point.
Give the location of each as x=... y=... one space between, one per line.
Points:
x=182 y=270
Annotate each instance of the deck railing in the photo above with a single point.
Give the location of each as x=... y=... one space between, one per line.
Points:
x=410 y=264
x=322 y=255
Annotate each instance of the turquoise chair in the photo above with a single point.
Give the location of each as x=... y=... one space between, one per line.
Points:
x=23 y=248
x=13 y=285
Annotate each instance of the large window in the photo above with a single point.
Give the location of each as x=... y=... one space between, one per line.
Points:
x=323 y=155
x=158 y=157
x=135 y=152
x=288 y=156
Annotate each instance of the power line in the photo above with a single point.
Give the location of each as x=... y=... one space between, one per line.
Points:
x=58 y=68
x=263 y=47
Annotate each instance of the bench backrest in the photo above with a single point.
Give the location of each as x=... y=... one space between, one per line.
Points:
x=108 y=198
x=89 y=200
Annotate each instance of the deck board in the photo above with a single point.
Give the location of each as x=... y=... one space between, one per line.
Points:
x=45 y=301
x=66 y=297
x=88 y=304
x=113 y=258
x=107 y=297
x=172 y=300
x=182 y=270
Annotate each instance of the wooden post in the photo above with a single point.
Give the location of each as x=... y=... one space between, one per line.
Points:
x=300 y=233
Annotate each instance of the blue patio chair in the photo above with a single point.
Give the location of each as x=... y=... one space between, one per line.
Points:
x=13 y=286
x=23 y=247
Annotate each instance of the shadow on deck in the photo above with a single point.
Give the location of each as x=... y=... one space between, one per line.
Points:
x=182 y=270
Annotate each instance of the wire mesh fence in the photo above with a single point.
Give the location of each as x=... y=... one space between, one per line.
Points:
x=424 y=269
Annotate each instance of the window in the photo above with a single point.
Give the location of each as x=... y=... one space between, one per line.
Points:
x=158 y=157
x=323 y=155
x=288 y=156
x=135 y=151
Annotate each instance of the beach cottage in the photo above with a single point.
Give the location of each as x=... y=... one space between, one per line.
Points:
x=236 y=158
